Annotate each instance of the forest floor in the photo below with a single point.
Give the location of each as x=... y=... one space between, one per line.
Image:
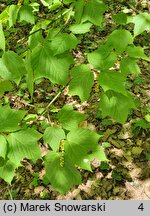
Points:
x=126 y=175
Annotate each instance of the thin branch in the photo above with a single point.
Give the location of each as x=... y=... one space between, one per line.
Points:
x=53 y=21
x=40 y=29
x=55 y=98
x=10 y=194
x=132 y=7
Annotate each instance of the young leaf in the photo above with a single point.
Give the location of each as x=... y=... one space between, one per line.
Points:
x=13 y=13
x=116 y=105
x=4 y=15
x=93 y=12
x=2 y=38
x=15 y=65
x=102 y=58
x=80 y=28
x=80 y=144
x=119 y=40
x=44 y=64
x=112 y=80
x=137 y=52
x=10 y=118
x=69 y=118
x=129 y=66
x=147 y=117
x=53 y=136
x=46 y=3
x=63 y=42
x=23 y=144
x=56 y=4
x=82 y=81
x=142 y=23
x=26 y=14
x=62 y=177
x=7 y=171
x=68 y=1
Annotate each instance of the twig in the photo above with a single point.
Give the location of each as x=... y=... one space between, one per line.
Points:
x=55 y=98
x=53 y=21
x=10 y=194
x=133 y=8
x=146 y=193
x=40 y=29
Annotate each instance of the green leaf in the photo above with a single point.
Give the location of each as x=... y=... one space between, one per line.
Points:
x=147 y=156
x=116 y=176
x=116 y=105
x=99 y=55
x=104 y=166
x=10 y=118
x=15 y=65
x=129 y=66
x=119 y=40
x=112 y=80
x=23 y=144
x=62 y=177
x=142 y=124
x=102 y=58
x=44 y=64
x=137 y=52
x=46 y=3
x=137 y=150
x=69 y=118
x=98 y=154
x=3 y=149
x=30 y=74
x=4 y=15
x=26 y=14
x=52 y=33
x=79 y=6
x=120 y=18
x=80 y=28
x=13 y=13
x=2 y=38
x=93 y=12
x=7 y=172
x=68 y=1
x=82 y=82
x=35 y=38
x=5 y=86
x=31 y=117
x=106 y=145
x=63 y=42
x=53 y=136
x=147 y=117
x=4 y=73
x=56 y=4
x=80 y=144
x=142 y=23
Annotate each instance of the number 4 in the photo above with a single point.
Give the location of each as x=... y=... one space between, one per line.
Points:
x=141 y=207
